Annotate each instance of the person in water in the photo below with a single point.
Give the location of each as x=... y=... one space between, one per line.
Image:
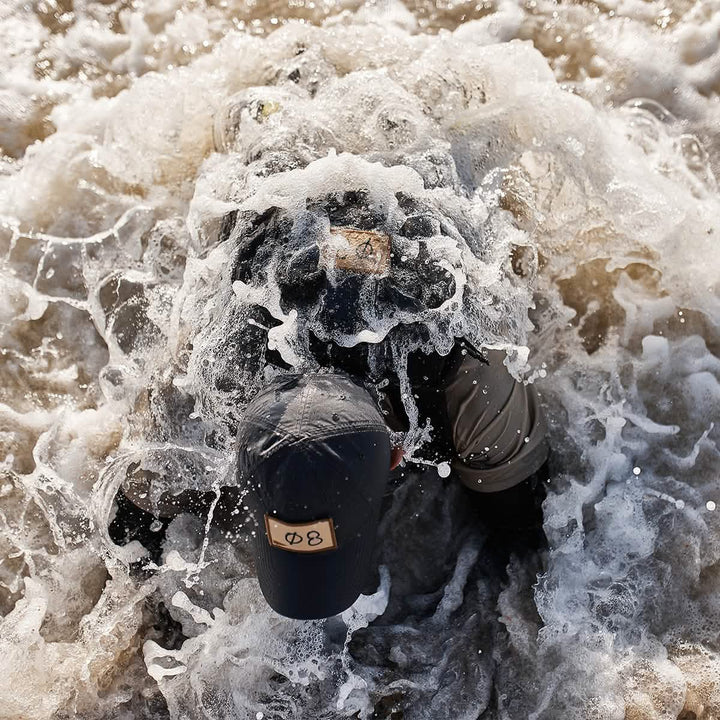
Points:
x=315 y=450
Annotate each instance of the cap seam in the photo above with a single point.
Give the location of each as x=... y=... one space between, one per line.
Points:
x=307 y=393
x=289 y=441
x=267 y=425
x=345 y=428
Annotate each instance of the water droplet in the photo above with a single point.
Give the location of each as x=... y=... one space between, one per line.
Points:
x=636 y=471
x=710 y=505
x=443 y=469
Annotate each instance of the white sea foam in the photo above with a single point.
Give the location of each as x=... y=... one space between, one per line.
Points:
x=571 y=151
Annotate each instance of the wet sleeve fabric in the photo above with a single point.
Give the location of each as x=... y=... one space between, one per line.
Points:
x=497 y=426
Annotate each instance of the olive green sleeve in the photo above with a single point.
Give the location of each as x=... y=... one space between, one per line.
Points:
x=497 y=425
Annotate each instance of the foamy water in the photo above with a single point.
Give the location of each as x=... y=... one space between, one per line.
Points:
x=571 y=152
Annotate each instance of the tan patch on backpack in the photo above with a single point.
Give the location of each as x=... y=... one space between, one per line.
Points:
x=363 y=251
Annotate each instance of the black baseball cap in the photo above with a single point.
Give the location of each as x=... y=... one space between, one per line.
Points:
x=314 y=459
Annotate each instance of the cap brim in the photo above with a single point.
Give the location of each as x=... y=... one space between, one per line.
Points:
x=310 y=586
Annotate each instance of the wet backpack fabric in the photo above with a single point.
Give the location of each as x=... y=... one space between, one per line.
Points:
x=486 y=424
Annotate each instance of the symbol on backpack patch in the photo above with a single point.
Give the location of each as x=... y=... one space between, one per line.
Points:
x=360 y=251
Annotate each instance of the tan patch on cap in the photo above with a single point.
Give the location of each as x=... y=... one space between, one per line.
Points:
x=301 y=538
x=366 y=251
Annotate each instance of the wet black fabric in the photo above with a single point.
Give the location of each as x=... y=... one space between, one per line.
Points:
x=273 y=246
x=516 y=510
x=487 y=425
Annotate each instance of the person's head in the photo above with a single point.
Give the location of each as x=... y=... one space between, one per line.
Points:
x=314 y=456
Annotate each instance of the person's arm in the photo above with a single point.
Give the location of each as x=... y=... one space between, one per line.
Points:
x=137 y=512
x=496 y=423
